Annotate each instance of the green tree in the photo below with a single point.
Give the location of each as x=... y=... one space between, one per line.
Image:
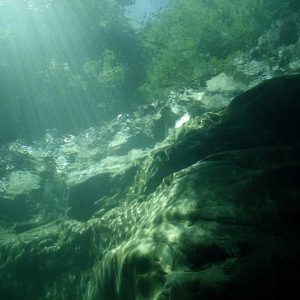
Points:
x=48 y=49
x=193 y=38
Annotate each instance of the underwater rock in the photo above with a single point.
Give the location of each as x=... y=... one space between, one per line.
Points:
x=228 y=218
x=294 y=66
x=263 y=116
x=212 y=212
x=43 y=256
x=21 y=183
x=223 y=83
x=272 y=55
x=221 y=218
x=19 y=196
x=88 y=189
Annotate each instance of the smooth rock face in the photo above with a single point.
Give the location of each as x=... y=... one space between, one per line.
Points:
x=211 y=213
x=263 y=116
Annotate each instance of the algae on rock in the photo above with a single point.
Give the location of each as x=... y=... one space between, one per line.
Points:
x=204 y=214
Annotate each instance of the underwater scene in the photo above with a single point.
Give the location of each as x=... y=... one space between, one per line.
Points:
x=149 y=149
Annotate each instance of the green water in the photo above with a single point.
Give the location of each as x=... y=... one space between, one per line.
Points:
x=70 y=65
x=149 y=149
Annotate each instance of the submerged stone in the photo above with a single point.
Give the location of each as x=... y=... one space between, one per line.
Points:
x=212 y=212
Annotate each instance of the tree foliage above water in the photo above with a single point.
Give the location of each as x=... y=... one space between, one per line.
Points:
x=70 y=64
x=45 y=50
x=196 y=36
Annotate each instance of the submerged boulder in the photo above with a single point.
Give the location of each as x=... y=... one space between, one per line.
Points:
x=262 y=116
x=224 y=228
x=224 y=200
x=18 y=196
x=212 y=212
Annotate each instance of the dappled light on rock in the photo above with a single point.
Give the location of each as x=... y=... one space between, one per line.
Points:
x=200 y=216
x=149 y=156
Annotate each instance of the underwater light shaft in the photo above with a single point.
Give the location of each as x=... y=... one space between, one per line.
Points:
x=44 y=47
